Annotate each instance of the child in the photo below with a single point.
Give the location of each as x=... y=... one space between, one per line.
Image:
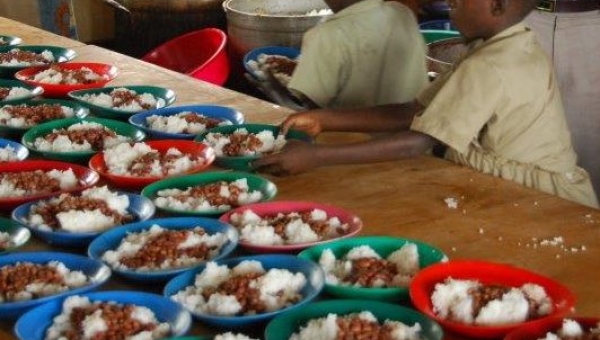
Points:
x=498 y=111
x=370 y=52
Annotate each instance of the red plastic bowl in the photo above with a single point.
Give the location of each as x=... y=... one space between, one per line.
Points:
x=86 y=176
x=539 y=329
x=188 y=147
x=273 y=208
x=200 y=54
x=424 y=282
x=61 y=90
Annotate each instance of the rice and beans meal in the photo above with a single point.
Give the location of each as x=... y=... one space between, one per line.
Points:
x=94 y=210
x=220 y=195
x=573 y=330
x=19 y=57
x=82 y=319
x=28 y=115
x=474 y=303
x=232 y=336
x=363 y=267
x=159 y=249
x=12 y=93
x=245 y=289
x=141 y=160
x=244 y=143
x=288 y=228
x=363 y=325
x=188 y=122
x=36 y=182
x=124 y=99
x=8 y=154
x=282 y=67
x=26 y=280
x=56 y=74
x=83 y=136
x=5 y=241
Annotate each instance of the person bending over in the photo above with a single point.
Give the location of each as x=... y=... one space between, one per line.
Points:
x=498 y=111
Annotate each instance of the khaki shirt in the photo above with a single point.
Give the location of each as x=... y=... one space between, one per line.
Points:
x=368 y=54
x=500 y=112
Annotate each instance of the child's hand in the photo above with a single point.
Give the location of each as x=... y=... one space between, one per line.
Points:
x=296 y=157
x=306 y=122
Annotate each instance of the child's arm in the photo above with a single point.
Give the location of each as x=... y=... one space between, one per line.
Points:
x=386 y=118
x=299 y=157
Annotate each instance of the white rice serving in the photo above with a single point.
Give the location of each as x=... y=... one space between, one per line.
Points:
x=571 y=329
x=406 y=260
x=16 y=93
x=167 y=198
x=134 y=242
x=178 y=124
x=107 y=100
x=327 y=328
x=277 y=288
x=46 y=55
x=8 y=154
x=86 y=220
x=261 y=231
x=232 y=336
x=270 y=143
x=8 y=119
x=94 y=324
x=71 y=279
x=66 y=178
x=64 y=144
x=120 y=160
x=452 y=299
x=67 y=77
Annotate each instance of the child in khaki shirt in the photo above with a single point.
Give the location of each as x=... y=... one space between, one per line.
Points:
x=498 y=111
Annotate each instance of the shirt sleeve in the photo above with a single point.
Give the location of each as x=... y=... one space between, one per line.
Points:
x=318 y=74
x=459 y=107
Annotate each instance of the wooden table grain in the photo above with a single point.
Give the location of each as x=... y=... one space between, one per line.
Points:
x=494 y=220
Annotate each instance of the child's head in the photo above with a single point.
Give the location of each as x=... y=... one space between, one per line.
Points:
x=485 y=18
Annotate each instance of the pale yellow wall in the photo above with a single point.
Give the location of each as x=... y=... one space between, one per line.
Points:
x=94 y=18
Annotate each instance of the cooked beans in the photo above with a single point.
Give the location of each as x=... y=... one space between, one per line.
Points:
x=368 y=271
x=240 y=144
x=240 y=287
x=118 y=319
x=22 y=57
x=4 y=91
x=354 y=328
x=32 y=182
x=49 y=210
x=163 y=247
x=34 y=114
x=212 y=193
x=14 y=278
x=81 y=76
x=198 y=118
x=145 y=164
x=124 y=97
x=94 y=136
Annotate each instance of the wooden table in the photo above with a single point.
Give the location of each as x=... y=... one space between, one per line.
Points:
x=495 y=220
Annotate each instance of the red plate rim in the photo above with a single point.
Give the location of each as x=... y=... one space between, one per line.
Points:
x=486 y=272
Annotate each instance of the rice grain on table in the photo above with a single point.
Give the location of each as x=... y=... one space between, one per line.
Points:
x=242 y=290
x=362 y=325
